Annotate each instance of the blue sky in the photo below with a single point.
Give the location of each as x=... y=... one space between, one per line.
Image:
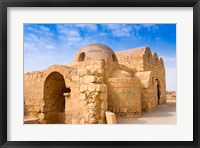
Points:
x=47 y=44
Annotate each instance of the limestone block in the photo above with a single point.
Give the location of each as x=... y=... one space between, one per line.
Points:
x=82 y=72
x=104 y=96
x=98 y=87
x=75 y=84
x=75 y=121
x=73 y=72
x=102 y=113
x=88 y=79
x=104 y=105
x=82 y=121
x=101 y=121
x=111 y=118
x=31 y=120
x=36 y=108
x=41 y=116
x=103 y=88
x=75 y=78
x=92 y=120
x=26 y=102
x=125 y=110
x=98 y=65
x=83 y=88
x=100 y=71
x=99 y=79
x=29 y=108
x=93 y=71
x=89 y=66
x=91 y=87
x=82 y=96
x=43 y=122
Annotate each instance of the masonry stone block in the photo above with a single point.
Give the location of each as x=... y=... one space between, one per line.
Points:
x=111 y=118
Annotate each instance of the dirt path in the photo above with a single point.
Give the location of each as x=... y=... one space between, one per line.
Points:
x=165 y=114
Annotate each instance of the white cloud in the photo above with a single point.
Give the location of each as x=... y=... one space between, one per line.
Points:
x=90 y=27
x=68 y=34
x=119 y=29
x=41 y=30
x=150 y=27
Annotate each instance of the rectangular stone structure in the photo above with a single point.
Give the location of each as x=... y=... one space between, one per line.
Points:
x=110 y=118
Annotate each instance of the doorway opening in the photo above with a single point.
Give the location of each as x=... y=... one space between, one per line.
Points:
x=158 y=91
x=54 y=100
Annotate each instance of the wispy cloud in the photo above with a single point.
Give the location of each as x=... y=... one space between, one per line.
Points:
x=118 y=30
x=47 y=44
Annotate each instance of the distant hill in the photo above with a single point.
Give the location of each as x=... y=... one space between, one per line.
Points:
x=171 y=95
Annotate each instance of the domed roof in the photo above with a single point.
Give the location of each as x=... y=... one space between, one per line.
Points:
x=96 y=51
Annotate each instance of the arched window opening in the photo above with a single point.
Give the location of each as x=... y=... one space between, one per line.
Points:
x=156 y=62
x=114 y=58
x=158 y=91
x=54 y=100
x=81 y=57
x=148 y=57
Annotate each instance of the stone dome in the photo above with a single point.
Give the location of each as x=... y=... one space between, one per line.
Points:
x=96 y=51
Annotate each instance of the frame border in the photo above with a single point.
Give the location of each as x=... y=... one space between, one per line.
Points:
x=99 y=3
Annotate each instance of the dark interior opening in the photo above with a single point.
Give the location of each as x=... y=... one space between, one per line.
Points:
x=158 y=91
x=81 y=57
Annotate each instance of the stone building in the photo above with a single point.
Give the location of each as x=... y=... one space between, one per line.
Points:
x=127 y=83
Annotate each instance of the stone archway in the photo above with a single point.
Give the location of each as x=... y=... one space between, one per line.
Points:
x=54 y=88
x=158 y=90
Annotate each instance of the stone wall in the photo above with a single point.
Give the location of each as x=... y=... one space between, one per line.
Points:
x=124 y=98
x=33 y=93
x=131 y=62
x=89 y=94
x=156 y=65
x=141 y=60
x=47 y=98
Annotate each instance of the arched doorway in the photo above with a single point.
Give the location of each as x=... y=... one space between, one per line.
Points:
x=54 y=88
x=158 y=91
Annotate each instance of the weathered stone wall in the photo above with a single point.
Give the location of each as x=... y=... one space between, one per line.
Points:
x=33 y=93
x=148 y=94
x=142 y=60
x=124 y=97
x=156 y=65
x=55 y=84
x=131 y=63
x=91 y=94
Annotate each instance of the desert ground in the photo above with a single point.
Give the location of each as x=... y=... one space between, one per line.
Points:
x=165 y=114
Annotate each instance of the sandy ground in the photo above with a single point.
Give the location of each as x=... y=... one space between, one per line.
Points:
x=165 y=114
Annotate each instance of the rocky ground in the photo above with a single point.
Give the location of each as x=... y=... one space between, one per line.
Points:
x=165 y=114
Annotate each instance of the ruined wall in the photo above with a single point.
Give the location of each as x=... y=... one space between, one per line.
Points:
x=48 y=98
x=33 y=93
x=124 y=97
x=91 y=102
